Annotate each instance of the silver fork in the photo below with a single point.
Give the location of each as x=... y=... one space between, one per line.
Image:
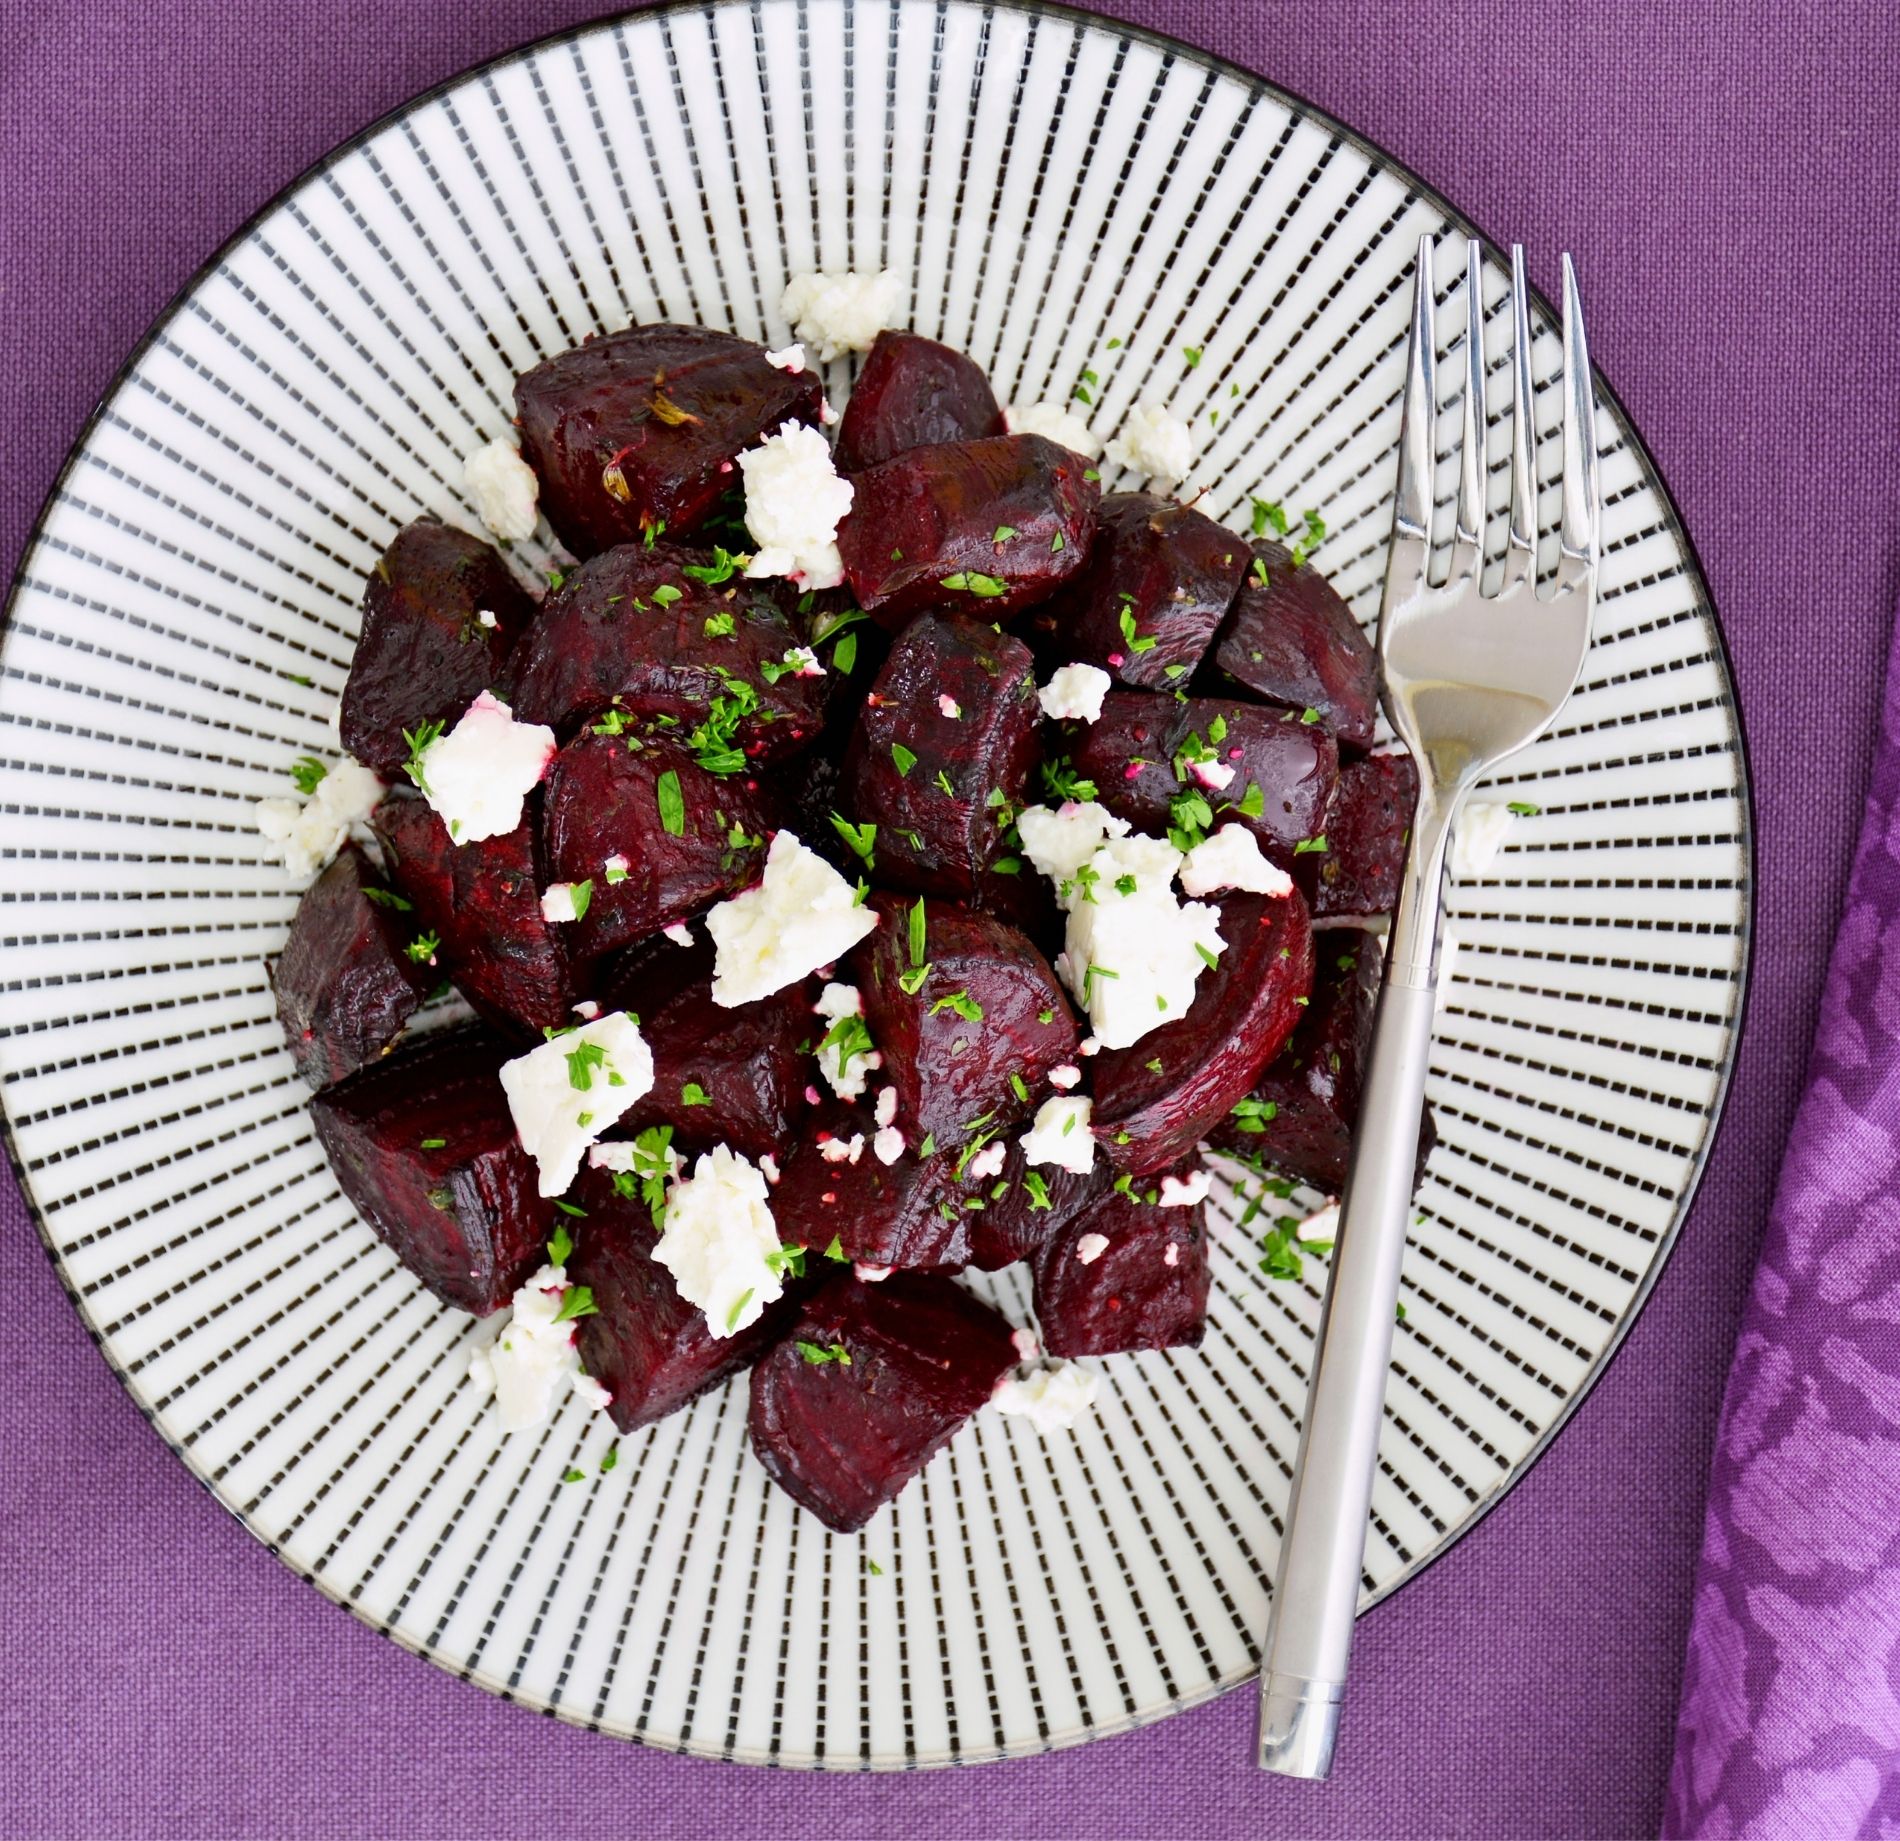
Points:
x=1469 y=678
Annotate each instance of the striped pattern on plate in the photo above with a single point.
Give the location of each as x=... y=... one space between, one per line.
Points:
x=1046 y=183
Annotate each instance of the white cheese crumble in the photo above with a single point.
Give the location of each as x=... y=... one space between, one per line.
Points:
x=565 y=1093
x=719 y=1241
x=532 y=1360
x=1132 y=950
x=1066 y=1076
x=794 y=499
x=557 y=903
x=586 y=1009
x=483 y=617
x=1074 y=692
x=679 y=933
x=871 y=1275
x=948 y=707
x=1478 y=837
x=1054 y=422
x=888 y=1144
x=802 y=915
x=835 y=1003
x=476 y=776
x=886 y=1109
x=1027 y=1347
x=1090 y=1248
x=307 y=833
x=1052 y=1395
x=802 y=662
x=1231 y=859
x=842 y=312
x=1216 y=776
x=1061 y=1135
x=1154 y=443
x=504 y=489
x=1058 y=843
x=987 y=1162
x=1184 y=1192
x=769 y=1164
x=790 y=358
x=841 y=1150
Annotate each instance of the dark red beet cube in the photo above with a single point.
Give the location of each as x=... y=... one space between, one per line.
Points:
x=634 y=433
x=482 y=902
x=1294 y=642
x=425 y=1148
x=425 y=654
x=345 y=988
x=1125 y=1273
x=1005 y=521
x=1154 y=1100
x=1131 y=756
x=611 y=797
x=1165 y=571
x=1366 y=833
x=834 y=1188
x=1026 y=1206
x=649 y=1348
x=906 y=1362
x=951 y=1046
x=633 y=629
x=913 y=392
x=908 y=747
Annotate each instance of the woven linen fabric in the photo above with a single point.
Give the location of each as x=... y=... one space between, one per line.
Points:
x=1721 y=175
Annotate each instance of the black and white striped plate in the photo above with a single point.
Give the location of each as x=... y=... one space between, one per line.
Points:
x=1045 y=183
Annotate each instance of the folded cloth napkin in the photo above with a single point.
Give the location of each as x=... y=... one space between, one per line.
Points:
x=1790 y=1717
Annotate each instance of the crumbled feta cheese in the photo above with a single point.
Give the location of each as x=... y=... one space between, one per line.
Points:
x=871 y=1275
x=1171 y=1256
x=616 y=868
x=1065 y=1076
x=1056 y=422
x=1058 y=843
x=791 y=358
x=769 y=1164
x=1075 y=692
x=679 y=933
x=1027 y=1347
x=1216 y=776
x=476 y=776
x=1154 y=443
x=565 y=1093
x=483 y=617
x=504 y=489
x=842 y=1150
x=835 y=1003
x=1061 y=1135
x=842 y=312
x=532 y=1360
x=886 y=1110
x=590 y=1393
x=1132 y=950
x=1090 y=1248
x=802 y=915
x=719 y=1240
x=1478 y=836
x=1231 y=859
x=888 y=1145
x=1184 y=1192
x=802 y=662
x=586 y=1009
x=1089 y=1046
x=309 y=832
x=948 y=707
x=987 y=1162
x=557 y=903
x=794 y=499
x=1051 y=1395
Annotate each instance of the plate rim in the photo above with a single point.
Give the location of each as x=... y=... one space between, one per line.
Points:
x=1380 y=156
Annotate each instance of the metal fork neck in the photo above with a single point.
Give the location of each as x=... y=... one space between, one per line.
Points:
x=1412 y=947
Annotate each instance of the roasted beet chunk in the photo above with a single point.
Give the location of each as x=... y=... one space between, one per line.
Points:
x=636 y=629
x=913 y=392
x=1000 y=524
x=345 y=987
x=1364 y=858
x=1147 y=750
x=425 y=653
x=909 y=747
x=1154 y=1101
x=1159 y=581
x=869 y=1385
x=481 y=903
x=1125 y=1273
x=634 y=433
x=975 y=1017
x=657 y=835
x=645 y=1344
x=425 y=1148
x=1025 y=1207
x=836 y=1191
x=1295 y=642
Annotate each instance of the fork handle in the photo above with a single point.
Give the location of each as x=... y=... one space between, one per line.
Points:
x=1316 y=1596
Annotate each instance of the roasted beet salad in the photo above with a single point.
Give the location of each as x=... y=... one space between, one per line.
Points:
x=862 y=863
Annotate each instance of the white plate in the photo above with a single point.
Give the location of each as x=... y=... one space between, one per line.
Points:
x=1045 y=182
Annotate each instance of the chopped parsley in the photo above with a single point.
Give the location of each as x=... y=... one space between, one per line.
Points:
x=560 y=1246
x=582 y=896
x=1004 y=532
x=420 y=740
x=672 y=803
x=836 y=1251
x=693 y=1094
x=570 y=1208
x=968 y=581
x=962 y=1003
x=582 y=1060
x=786 y=1259
x=1191 y=354
x=306 y=774
x=1062 y=783
x=1254 y=1114
x=820 y=1353
x=861 y=838
x=1522 y=808
x=721 y=569
x=610 y=1460
x=434 y=1144
x=1037 y=1189
x=850 y=1036
x=717 y=626
x=423 y=948
x=1311 y=846
x=666 y=594
x=1137 y=642
x=388 y=898
x=737 y=1311
x=903 y=757
x=576 y=1301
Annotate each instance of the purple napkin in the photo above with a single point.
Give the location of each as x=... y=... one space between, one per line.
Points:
x=1790 y=1718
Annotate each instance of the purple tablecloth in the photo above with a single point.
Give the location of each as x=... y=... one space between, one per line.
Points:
x=1727 y=184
